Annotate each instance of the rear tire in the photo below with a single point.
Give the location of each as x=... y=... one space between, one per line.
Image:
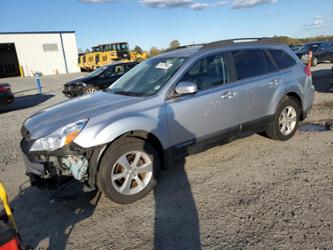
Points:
x=129 y=170
x=314 y=61
x=285 y=120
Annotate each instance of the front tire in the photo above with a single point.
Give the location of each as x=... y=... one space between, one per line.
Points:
x=285 y=121
x=90 y=89
x=129 y=170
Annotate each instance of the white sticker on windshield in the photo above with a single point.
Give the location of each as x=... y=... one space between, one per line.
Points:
x=162 y=65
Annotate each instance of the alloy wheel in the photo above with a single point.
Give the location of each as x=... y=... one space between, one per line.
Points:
x=132 y=172
x=287 y=120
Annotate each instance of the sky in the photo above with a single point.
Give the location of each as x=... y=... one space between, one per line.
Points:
x=148 y=23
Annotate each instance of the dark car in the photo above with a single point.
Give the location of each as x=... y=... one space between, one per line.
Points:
x=6 y=95
x=296 y=48
x=321 y=51
x=99 y=79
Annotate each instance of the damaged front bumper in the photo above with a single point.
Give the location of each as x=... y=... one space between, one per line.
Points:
x=45 y=168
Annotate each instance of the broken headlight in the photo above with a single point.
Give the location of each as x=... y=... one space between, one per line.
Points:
x=60 y=137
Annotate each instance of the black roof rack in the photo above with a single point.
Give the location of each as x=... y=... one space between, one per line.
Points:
x=183 y=47
x=223 y=43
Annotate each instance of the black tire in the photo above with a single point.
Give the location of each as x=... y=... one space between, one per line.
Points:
x=90 y=89
x=273 y=130
x=111 y=156
x=314 y=61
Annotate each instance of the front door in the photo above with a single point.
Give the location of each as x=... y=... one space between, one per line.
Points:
x=212 y=111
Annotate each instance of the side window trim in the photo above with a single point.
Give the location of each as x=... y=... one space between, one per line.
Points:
x=269 y=55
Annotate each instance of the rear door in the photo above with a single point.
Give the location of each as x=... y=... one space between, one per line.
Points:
x=258 y=80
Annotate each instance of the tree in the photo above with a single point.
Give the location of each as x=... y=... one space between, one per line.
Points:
x=154 y=51
x=138 y=49
x=174 y=44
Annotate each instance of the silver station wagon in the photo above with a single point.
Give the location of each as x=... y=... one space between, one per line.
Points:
x=191 y=98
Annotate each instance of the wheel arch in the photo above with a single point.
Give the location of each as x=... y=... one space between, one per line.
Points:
x=98 y=153
x=297 y=98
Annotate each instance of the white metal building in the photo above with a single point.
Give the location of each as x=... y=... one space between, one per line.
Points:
x=48 y=53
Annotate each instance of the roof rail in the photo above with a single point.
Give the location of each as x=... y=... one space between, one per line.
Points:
x=222 y=43
x=184 y=47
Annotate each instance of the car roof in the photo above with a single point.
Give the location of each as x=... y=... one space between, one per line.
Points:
x=240 y=43
x=319 y=42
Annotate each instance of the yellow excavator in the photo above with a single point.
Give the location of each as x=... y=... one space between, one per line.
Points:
x=104 y=54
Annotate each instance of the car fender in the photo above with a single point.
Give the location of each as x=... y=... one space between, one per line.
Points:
x=103 y=134
x=279 y=95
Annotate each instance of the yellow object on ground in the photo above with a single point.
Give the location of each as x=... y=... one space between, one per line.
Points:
x=8 y=211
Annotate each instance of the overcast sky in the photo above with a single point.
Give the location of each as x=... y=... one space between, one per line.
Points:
x=156 y=22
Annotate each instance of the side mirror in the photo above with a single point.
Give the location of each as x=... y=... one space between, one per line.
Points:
x=186 y=88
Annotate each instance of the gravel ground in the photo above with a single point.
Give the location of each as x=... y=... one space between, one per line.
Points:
x=253 y=193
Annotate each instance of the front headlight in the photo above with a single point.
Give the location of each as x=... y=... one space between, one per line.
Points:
x=81 y=84
x=60 y=137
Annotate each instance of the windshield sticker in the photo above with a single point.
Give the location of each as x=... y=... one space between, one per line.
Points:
x=162 y=65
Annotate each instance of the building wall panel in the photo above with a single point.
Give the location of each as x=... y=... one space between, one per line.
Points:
x=42 y=52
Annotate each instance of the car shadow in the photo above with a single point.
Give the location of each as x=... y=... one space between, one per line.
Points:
x=323 y=80
x=176 y=218
x=56 y=225
x=26 y=101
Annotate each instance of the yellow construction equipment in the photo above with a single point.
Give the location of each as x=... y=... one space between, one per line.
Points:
x=8 y=211
x=108 y=53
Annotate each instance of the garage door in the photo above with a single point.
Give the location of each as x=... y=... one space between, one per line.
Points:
x=8 y=60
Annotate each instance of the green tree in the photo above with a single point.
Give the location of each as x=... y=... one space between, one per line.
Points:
x=154 y=51
x=138 y=49
x=174 y=44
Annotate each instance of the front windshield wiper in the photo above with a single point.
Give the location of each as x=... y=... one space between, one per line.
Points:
x=128 y=93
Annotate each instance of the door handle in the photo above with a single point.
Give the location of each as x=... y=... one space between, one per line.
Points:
x=274 y=83
x=228 y=94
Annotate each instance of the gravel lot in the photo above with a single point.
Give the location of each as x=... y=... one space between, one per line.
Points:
x=253 y=193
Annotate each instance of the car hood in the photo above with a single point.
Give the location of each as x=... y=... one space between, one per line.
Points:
x=79 y=79
x=88 y=106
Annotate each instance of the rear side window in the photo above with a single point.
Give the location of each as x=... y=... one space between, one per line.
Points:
x=282 y=59
x=251 y=62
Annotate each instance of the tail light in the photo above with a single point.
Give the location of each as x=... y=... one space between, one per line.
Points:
x=307 y=71
x=4 y=89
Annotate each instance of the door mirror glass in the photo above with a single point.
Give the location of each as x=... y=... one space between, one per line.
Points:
x=186 y=88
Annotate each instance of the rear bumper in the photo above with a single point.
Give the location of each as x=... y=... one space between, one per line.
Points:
x=6 y=98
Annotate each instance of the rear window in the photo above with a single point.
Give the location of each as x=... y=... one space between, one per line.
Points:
x=251 y=62
x=282 y=59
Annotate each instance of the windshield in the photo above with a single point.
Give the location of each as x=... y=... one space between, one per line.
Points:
x=148 y=77
x=97 y=72
x=305 y=48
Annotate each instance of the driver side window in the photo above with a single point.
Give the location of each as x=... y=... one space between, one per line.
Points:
x=208 y=72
